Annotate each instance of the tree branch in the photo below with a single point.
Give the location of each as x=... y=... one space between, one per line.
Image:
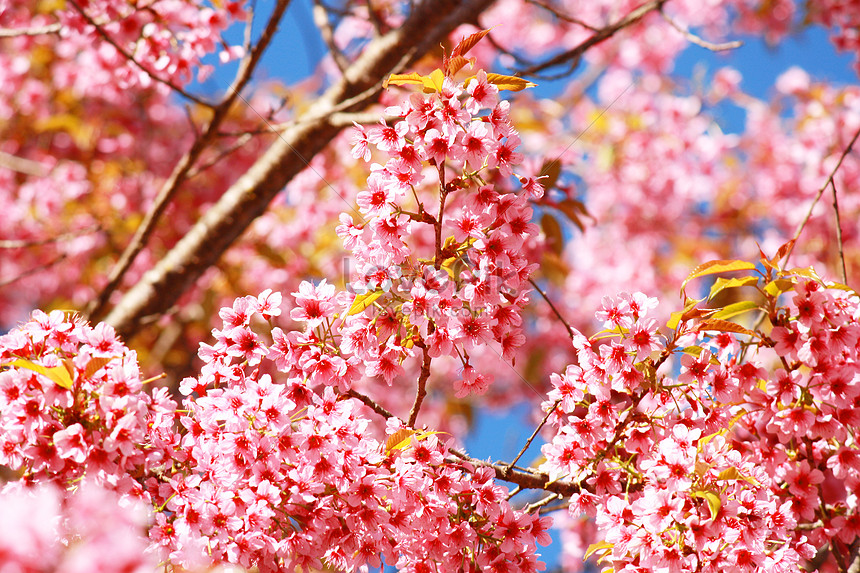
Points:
x=250 y=195
x=96 y=310
x=573 y=55
x=421 y=392
x=549 y=412
x=125 y=54
x=38 y=31
x=321 y=19
x=370 y=403
x=824 y=187
x=524 y=477
x=694 y=39
x=839 y=234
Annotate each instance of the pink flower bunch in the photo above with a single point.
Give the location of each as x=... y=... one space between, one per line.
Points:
x=249 y=471
x=451 y=274
x=72 y=402
x=167 y=39
x=289 y=474
x=740 y=460
x=45 y=528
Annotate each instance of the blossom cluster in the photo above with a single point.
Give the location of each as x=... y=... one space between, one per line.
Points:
x=742 y=459
x=249 y=471
x=451 y=275
x=47 y=529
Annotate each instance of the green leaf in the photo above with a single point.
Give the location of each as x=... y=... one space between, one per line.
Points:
x=58 y=374
x=722 y=284
x=715 y=267
x=363 y=301
x=735 y=309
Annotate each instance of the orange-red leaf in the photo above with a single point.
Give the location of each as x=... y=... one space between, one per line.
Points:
x=468 y=43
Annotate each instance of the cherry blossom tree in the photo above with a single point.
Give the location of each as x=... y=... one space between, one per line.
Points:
x=248 y=329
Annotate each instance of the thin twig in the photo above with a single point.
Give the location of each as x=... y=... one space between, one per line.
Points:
x=554 y=309
x=539 y=504
x=323 y=23
x=421 y=392
x=240 y=142
x=33 y=271
x=180 y=173
x=24 y=244
x=839 y=234
x=803 y=223
x=370 y=403
x=125 y=54
x=38 y=31
x=562 y=16
x=534 y=434
x=574 y=54
x=694 y=39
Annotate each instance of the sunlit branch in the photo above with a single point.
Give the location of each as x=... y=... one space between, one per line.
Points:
x=542 y=503
x=562 y=16
x=33 y=271
x=827 y=183
x=421 y=391
x=694 y=39
x=180 y=173
x=24 y=244
x=523 y=477
x=553 y=308
x=535 y=433
x=240 y=142
x=21 y=165
x=370 y=403
x=573 y=55
x=38 y=31
x=839 y=234
x=323 y=22
x=128 y=56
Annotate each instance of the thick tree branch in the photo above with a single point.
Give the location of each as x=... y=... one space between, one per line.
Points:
x=97 y=308
x=250 y=195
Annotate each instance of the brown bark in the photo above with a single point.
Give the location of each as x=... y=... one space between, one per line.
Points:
x=160 y=288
